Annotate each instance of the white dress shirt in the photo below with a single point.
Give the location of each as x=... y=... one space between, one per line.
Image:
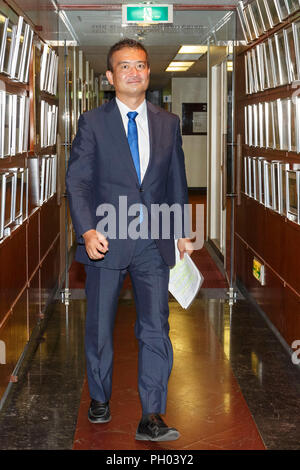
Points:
x=142 y=129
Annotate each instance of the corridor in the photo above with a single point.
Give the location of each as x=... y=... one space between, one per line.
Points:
x=233 y=385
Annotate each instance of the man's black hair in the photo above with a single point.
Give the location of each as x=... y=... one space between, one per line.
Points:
x=121 y=45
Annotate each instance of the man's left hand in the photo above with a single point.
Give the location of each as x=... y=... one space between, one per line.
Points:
x=185 y=246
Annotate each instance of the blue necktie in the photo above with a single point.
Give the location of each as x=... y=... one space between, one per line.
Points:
x=132 y=137
x=133 y=142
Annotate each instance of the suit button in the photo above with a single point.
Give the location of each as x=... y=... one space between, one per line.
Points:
x=141 y=190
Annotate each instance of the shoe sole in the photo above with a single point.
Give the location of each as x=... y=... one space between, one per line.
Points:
x=170 y=436
x=99 y=420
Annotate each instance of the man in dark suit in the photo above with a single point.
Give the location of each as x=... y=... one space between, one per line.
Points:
x=132 y=149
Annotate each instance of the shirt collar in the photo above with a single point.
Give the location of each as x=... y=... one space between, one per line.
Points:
x=141 y=109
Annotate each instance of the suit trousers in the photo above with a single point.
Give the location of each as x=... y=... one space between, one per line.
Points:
x=150 y=277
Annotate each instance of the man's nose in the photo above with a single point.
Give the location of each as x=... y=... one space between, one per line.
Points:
x=133 y=70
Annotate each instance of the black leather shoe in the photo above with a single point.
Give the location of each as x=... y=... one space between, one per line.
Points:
x=99 y=412
x=153 y=428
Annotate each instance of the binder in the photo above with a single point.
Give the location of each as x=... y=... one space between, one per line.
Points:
x=15 y=53
x=3 y=36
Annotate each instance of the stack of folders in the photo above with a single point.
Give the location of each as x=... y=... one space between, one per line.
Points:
x=48 y=171
x=275 y=184
x=49 y=70
x=275 y=61
x=14 y=199
x=14 y=124
x=42 y=178
x=259 y=16
x=15 y=49
x=48 y=124
x=274 y=124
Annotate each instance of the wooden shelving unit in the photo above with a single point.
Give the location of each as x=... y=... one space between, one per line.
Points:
x=261 y=232
x=30 y=254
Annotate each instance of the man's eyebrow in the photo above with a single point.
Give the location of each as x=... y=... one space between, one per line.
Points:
x=132 y=62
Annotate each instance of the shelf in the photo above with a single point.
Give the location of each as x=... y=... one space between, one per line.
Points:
x=293 y=17
x=51 y=99
x=13 y=86
x=274 y=154
x=270 y=94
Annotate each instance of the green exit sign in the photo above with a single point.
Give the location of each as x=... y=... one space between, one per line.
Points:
x=148 y=14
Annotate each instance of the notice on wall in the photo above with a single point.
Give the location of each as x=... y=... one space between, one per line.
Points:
x=194 y=118
x=199 y=122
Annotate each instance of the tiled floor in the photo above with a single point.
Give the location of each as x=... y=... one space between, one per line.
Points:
x=233 y=386
x=205 y=402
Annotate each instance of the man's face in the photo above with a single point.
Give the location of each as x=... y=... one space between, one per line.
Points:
x=130 y=75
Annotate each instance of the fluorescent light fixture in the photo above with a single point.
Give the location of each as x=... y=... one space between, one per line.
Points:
x=196 y=49
x=176 y=69
x=181 y=64
x=229 y=66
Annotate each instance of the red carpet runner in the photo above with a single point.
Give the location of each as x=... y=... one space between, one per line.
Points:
x=204 y=399
x=213 y=278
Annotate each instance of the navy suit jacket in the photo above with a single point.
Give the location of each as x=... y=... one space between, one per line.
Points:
x=101 y=169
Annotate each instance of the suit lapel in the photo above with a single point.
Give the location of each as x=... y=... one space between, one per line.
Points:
x=116 y=128
x=154 y=125
x=117 y=131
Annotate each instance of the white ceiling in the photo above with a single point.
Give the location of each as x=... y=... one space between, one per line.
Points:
x=97 y=30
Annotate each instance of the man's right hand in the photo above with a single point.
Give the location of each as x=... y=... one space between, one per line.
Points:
x=96 y=244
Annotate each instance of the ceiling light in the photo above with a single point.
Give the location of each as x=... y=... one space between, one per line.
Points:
x=176 y=69
x=192 y=50
x=181 y=64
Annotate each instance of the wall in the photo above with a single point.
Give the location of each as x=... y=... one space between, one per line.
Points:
x=192 y=90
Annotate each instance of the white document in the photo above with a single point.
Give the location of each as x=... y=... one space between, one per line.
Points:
x=185 y=279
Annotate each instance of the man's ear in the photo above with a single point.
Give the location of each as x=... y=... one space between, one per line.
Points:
x=109 y=77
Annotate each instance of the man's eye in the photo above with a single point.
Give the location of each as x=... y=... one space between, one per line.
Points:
x=124 y=66
x=140 y=66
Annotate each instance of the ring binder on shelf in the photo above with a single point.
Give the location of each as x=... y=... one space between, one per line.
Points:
x=273 y=12
x=281 y=59
x=261 y=185
x=283 y=167
x=293 y=195
x=8 y=201
x=15 y=54
x=3 y=35
x=290 y=52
